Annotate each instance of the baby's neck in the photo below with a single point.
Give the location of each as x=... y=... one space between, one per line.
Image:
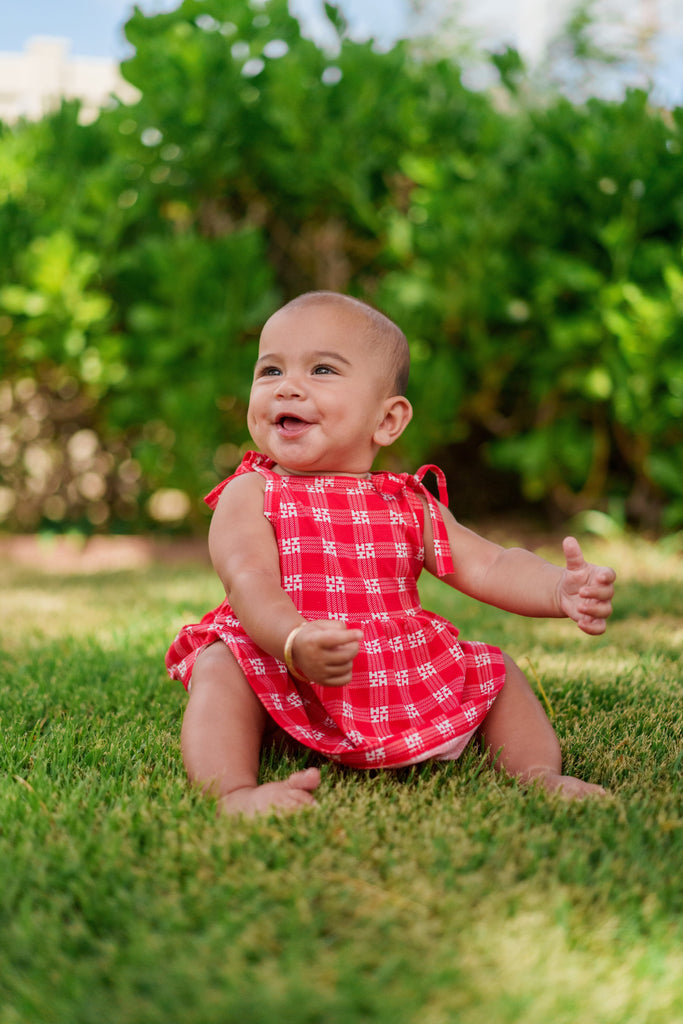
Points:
x=283 y=471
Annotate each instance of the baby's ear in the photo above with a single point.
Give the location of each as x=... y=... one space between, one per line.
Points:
x=398 y=412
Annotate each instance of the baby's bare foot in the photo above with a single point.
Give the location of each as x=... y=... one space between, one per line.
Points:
x=566 y=786
x=281 y=797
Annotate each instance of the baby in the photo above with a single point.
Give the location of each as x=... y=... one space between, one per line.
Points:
x=322 y=633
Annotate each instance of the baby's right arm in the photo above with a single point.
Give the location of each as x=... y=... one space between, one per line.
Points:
x=245 y=555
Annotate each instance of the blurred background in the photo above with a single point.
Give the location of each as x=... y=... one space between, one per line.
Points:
x=505 y=180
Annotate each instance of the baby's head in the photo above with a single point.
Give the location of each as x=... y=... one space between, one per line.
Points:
x=329 y=385
x=386 y=343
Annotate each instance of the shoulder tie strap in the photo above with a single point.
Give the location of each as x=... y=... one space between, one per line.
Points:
x=442 y=547
x=440 y=480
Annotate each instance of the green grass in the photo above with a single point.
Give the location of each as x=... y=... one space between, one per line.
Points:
x=428 y=896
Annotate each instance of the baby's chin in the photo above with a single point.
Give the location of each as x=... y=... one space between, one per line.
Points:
x=299 y=463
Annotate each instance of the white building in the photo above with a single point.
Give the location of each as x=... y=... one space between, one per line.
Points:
x=34 y=82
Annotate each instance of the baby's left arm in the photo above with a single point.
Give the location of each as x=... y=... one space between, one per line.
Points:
x=519 y=581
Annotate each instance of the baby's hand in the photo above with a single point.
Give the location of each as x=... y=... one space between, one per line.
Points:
x=324 y=651
x=585 y=591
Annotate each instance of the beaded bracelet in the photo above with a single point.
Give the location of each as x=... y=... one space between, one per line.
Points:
x=289 y=659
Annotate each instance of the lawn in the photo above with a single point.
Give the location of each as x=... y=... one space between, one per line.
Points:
x=428 y=896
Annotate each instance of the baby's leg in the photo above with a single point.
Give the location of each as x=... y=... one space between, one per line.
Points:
x=519 y=728
x=221 y=741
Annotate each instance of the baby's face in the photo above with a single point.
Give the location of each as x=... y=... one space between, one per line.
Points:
x=319 y=391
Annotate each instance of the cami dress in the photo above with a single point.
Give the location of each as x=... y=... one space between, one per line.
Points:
x=352 y=549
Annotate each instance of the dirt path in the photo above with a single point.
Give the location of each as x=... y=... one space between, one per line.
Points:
x=80 y=555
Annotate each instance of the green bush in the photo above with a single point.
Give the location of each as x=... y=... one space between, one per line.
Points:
x=530 y=246
x=552 y=274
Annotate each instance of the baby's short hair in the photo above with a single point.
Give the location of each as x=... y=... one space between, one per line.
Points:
x=381 y=330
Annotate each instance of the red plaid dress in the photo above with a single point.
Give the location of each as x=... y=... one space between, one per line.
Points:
x=352 y=550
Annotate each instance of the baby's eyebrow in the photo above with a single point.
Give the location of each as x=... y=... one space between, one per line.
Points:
x=270 y=357
x=267 y=358
x=331 y=355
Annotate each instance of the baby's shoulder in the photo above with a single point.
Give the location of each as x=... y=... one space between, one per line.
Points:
x=244 y=484
x=239 y=492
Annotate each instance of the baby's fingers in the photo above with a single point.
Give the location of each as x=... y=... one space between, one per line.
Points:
x=595 y=609
x=600 y=583
x=591 y=596
x=335 y=634
x=352 y=637
x=335 y=672
x=335 y=679
x=601 y=579
x=341 y=655
x=592 y=626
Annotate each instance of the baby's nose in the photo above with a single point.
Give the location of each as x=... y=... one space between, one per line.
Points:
x=290 y=386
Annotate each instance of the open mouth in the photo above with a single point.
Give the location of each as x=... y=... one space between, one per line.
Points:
x=291 y=426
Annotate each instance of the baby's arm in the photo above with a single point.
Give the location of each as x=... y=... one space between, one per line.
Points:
x=522 y=582
x=245 y=555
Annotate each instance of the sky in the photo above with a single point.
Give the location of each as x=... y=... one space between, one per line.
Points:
x=94 y=28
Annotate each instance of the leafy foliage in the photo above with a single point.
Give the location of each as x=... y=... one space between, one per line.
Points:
x=530 y=247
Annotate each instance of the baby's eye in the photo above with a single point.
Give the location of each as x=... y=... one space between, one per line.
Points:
x=269 y=371
x=323 y=369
